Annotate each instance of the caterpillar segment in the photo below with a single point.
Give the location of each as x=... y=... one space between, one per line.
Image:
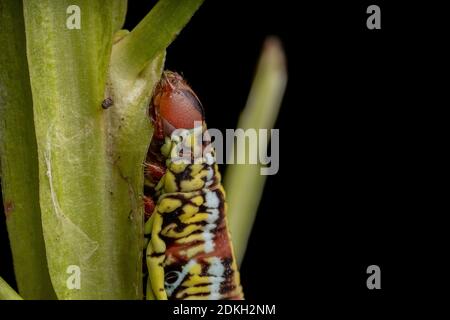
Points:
x=189 y=251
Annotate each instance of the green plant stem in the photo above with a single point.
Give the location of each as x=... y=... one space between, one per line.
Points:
x=261 y=112
x=7 y=293
x=152 y=36
x=85 y=223
x=18 y=155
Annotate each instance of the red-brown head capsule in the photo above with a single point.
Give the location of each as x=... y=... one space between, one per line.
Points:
x=174 y=105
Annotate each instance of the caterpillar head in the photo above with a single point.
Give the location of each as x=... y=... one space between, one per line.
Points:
x=174 y=105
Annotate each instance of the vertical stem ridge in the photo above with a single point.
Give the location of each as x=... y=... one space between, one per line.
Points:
x=19 y=159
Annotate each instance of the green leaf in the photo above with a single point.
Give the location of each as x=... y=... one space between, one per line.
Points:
x=152 y=36
x=119 y=12
x=261 y=112
x=7 y=293
x=19 y=159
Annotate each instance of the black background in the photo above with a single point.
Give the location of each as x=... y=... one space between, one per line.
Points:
x=346 y=194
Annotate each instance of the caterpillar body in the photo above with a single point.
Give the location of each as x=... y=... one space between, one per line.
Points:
x=189 y=253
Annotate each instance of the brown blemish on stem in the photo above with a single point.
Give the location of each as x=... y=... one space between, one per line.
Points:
x=9 y=208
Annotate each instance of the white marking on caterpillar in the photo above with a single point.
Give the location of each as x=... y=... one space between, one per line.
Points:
x=212 y=202
x=214 y=215
x=170 y=288
x=216 y=269
x=211 y=199
x=210 y=159
x=207 y=235
x=209 y=238
x=209 y=177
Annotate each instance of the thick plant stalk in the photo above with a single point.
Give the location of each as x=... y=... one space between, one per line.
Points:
x=92 y=239
x=18 y=154
x=7 y=293
x=261 y=112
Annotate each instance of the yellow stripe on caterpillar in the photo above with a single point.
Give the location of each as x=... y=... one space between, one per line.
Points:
x=171 y=233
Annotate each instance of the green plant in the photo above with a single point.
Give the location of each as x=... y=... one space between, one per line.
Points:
x=261 y=111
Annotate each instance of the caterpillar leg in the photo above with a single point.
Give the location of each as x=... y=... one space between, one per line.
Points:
x=149 y=207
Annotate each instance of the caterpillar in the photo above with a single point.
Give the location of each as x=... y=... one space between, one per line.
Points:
x=189 y=254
